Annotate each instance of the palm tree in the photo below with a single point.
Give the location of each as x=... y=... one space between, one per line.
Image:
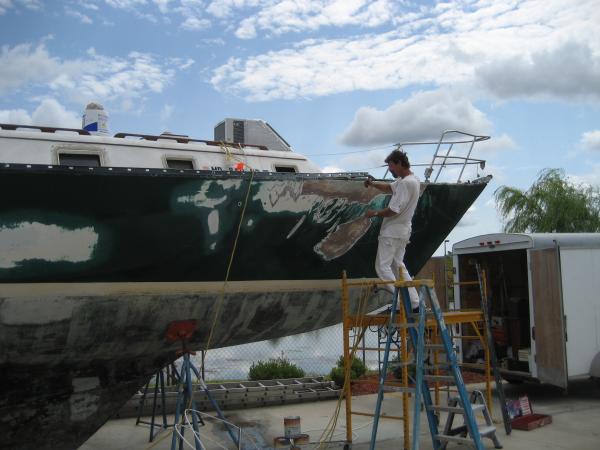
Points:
x=552 y=204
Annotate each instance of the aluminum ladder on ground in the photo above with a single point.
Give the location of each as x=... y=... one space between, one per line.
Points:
x=460 y=433
x=416 y=327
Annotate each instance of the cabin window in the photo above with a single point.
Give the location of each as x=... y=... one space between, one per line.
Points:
x=181 y=164
x=286 y=169
x=79 y=159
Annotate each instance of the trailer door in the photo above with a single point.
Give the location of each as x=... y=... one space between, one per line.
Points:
x=549 y=326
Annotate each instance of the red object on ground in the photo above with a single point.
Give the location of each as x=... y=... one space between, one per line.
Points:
x=531 y=421
x=181 y=330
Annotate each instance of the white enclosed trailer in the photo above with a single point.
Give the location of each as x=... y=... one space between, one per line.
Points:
x=544 y=292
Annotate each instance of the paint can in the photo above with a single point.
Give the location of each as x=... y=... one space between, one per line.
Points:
x=291 y=426
x=281 y=442
x=301 y=442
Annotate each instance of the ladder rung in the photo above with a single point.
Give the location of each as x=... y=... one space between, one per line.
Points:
x=455 y=409
x=435 y=346
x=439 y=378
x=484 y=431
x=396 y=385
x=428 y=315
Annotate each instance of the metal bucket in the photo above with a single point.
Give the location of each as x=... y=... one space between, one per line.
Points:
x=291 y=426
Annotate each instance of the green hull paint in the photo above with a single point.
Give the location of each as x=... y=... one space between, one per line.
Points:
x=156 y=226
x=84 y=348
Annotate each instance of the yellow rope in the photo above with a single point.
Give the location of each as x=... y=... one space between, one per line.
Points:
x=221 y=295
x=230 y=156
x=237 y=235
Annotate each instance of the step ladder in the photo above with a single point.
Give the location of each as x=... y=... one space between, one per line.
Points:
x=459 y=434
x=463 y=406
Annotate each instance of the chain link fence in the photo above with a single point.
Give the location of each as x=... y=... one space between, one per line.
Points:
x=316 y=352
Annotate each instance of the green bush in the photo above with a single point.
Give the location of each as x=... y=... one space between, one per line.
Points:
x=357 y=369
x=274 y=368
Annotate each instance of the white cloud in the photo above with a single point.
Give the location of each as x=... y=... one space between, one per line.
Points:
x=499 y=143
x=15 y=116
x=95 y=78
x=460 y=43
x=21 y=64
x=80 y=16
x=163 y=5
x=51 y=113
x=590 y=140
x=421 y=117
x=591 y=178
x=195 y=24
x=278 y=17
x=166 y=112
x=32 y=5
x=571 y=71
x=224 y=8
x=125 y=4
x=332 y=169
x=5 y=5
x=48 y=113
x=88 y=5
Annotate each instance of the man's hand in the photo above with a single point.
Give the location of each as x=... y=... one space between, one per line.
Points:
x=371 y=213
x=369 y=181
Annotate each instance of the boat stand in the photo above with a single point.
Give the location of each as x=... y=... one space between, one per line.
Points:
x=182 y=331
x=159 y=390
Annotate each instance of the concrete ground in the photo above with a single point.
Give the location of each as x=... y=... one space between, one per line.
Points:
x=575 y=426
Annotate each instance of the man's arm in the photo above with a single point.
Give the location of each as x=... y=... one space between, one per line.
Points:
x=380 y=185
x=386 y=212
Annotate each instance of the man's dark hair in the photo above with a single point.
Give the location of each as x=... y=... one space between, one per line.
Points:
x=398 y=157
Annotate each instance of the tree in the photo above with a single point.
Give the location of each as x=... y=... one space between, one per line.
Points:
x=551 y=205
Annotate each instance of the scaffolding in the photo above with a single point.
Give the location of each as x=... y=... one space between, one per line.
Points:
x=357 y=322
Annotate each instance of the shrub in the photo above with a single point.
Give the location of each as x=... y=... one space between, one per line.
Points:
x=357 y=369
x=274 y=368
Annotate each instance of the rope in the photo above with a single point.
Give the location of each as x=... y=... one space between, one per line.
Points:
x=222 y=293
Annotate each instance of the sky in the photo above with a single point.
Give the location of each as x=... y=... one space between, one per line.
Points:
x=341 y=80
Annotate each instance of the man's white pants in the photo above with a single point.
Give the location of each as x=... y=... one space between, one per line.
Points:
x=389 y=263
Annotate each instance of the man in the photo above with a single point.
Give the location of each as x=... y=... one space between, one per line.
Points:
x=397 y=223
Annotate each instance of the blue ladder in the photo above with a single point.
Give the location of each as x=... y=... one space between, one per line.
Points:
x=416 y=328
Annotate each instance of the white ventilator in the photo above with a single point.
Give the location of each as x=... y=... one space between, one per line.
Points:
x=95 y=119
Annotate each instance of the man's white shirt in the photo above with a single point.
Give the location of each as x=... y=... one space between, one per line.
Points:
x=405 y=196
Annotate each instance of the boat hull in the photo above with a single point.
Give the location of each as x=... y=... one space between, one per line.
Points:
x=144 y=225
x=96 y=263
x=74 y=353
